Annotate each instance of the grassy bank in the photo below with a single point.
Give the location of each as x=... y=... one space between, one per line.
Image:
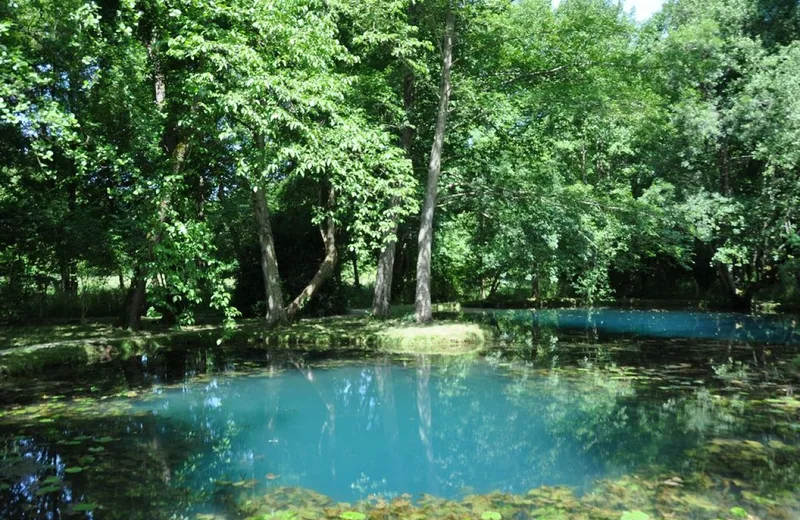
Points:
x=394 y=335
x=28 y=350
x=36 y=358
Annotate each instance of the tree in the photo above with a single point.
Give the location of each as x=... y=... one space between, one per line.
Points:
x=423 y=308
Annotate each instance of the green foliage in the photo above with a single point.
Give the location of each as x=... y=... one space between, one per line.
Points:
x=585 y=154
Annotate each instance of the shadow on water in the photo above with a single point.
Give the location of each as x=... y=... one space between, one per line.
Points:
x=547 y=423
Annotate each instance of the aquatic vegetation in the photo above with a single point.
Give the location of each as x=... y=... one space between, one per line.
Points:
x=629 y=498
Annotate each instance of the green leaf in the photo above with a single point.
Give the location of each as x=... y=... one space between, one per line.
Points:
x=353 y=515
x=47 y=490
x=634 y=515
x=84 y=506
x=491 y=515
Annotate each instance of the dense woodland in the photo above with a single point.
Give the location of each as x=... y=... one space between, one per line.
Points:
x=288 y=157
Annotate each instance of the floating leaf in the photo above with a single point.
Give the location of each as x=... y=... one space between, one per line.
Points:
x=84 y=506
x=739 y=512
x=353 y=515
x=634 y=515
x=491 y=515
x=74 y=469
x=48 y=489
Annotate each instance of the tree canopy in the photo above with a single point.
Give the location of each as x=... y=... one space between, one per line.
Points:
x=272 y=157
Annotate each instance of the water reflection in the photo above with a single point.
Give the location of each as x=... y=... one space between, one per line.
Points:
x=204 y=431
x=777 y=329
x=445 y=427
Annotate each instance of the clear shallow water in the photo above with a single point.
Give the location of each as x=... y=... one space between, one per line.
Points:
x=240 y=431
x=358 y=429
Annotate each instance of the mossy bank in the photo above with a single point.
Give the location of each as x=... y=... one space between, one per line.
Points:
x=396 y=335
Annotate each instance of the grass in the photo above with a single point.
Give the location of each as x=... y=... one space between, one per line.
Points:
x=15 y=337
x=393 y=335
x=24 y=336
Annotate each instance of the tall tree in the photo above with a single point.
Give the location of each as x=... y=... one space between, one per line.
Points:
x=423 y=307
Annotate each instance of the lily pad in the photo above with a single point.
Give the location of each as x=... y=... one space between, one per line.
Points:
x=491 y=515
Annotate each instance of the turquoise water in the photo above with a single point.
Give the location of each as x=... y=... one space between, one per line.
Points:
x=354 y=430
x=778 y=330
x=576 y=414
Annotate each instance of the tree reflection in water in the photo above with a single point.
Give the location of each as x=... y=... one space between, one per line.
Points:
x=389 y=426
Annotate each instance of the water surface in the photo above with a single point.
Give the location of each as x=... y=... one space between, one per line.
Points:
x=588 y=425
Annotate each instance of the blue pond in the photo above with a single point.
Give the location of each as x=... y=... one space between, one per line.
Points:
x=449 y=429
x=593 y=413
x=778 y=330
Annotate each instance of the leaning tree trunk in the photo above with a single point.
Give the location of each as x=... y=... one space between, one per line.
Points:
x=326 y=268
x=273 y=294
x=177 y=149
x=424 y=311
x=382 y=300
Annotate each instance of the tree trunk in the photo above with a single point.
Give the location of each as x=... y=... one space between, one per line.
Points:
x=121 y=280
x=738 y=299
x=382 y=300
x=132 y=318
x=356 y=279
x=424 y=311
x=177 y=150
x=495 y=285
x=326 y=267
x=273 y=295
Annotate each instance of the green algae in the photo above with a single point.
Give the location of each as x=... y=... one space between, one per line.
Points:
x=628 y=498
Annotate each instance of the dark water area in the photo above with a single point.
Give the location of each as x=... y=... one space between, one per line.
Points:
x=547 y=421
